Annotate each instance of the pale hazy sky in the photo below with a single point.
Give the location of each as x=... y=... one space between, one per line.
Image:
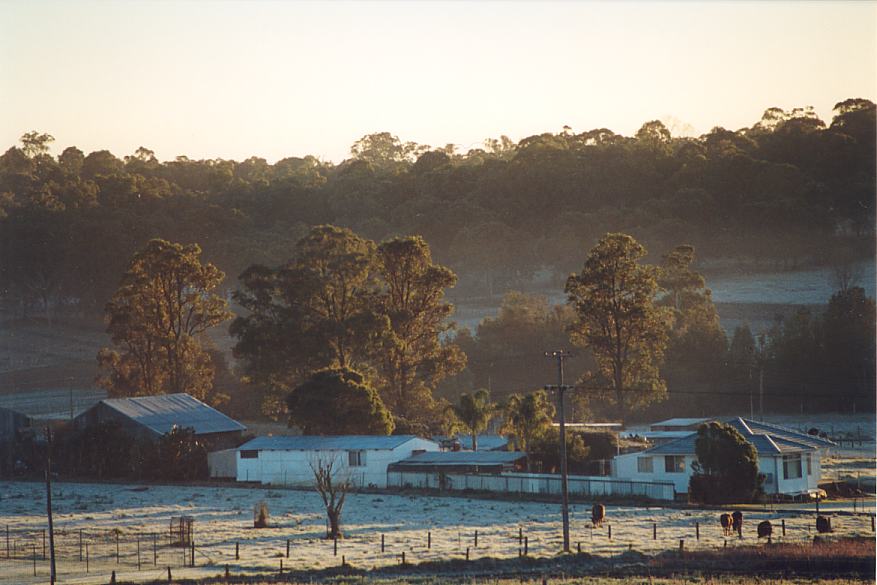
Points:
x=235 y=79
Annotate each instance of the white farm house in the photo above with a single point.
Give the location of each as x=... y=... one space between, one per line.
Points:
x=287 y=460
x=790 y=460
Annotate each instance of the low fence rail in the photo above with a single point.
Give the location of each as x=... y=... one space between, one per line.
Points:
x=531 y=483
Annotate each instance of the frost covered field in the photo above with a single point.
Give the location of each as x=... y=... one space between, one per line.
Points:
x=223 y=517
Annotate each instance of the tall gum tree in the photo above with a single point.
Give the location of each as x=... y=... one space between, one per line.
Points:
x=163 y=304
x=618 y=321
x=413 y=358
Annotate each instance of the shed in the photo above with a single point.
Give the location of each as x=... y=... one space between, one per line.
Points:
x=150 y=417
x=287 y=460
x=462 y=462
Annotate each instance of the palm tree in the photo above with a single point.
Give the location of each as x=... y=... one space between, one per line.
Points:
x=475 y=412
x=527 y=417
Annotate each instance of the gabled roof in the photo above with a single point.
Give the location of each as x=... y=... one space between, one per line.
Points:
x=439 y=458
x=326 y=443
x=679 y=422
x=162 y=412
x=767 y=440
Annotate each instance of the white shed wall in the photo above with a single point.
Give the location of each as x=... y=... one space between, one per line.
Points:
x=293 y=468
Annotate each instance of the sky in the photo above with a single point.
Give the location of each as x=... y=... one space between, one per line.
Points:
x=234 y=79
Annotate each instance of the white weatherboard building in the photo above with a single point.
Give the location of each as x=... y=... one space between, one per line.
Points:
x=287 y=460
x=790 y=460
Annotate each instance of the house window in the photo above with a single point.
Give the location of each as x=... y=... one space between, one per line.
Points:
x=644 y=465
x=768 y=479
x=809 y=461
x=674 y=463
x=248 y=454
x=356 y=458
x=792 y=466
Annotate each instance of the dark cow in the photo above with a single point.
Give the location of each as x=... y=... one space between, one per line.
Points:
x=737 y=518
x=598 y=513
x=726 y=521
x=823 y=524
x=765 y=529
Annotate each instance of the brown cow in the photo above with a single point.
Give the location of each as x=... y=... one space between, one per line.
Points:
x=823 y=524
x=726 y=522
x=765 y=529
x=598 y=513
x=737 y=518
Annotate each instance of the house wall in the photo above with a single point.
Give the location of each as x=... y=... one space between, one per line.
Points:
x=293 y=468
x=626 y=467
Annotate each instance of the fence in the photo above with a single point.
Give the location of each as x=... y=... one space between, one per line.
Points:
x=531 y=483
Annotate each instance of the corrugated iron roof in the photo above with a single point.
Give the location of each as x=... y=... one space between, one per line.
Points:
x=162 y=412
x=485 y=442
x=326 y=443
x=463 y=458
x=679 y=422
x=767 y=439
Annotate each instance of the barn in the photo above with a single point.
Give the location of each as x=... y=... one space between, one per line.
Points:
x=150 y=417
x=287 y=460
x=790 y=460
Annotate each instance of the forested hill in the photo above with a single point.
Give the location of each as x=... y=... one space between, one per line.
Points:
x=788 y=188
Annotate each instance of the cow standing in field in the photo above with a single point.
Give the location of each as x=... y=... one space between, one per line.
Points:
x=598 y=514
x=737 y=519
x=765 y=529
x=727 y=522
x=823 y=524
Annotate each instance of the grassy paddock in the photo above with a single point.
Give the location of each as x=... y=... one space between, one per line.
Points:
x=832 y=562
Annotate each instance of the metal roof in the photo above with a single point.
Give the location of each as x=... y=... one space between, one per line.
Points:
x=326 y=443
x=53 y=404
x=437 y=458
x=679 y=422
x=162 y=412
x=485 y=442
x=767 y=440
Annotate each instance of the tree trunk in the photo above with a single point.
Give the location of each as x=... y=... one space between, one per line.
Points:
x=474 y=442
x=334 y=524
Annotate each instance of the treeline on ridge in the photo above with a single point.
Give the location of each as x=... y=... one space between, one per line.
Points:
x=788 y=188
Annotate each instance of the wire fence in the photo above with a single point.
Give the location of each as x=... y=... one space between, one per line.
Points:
x=85 y=552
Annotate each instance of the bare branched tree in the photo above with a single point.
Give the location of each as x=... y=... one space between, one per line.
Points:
x=333 y=486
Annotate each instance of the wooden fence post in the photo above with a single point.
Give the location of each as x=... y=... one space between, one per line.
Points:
x=237 y=551
x=467 y=554
x=86 y=557
x=382 y=543
x=429 y=540
x=526 y=544
x=117 y=548
x=783 y=525
x=287 y=548
x=80 y=545
x=33 y=548
x=154 y=549
x=138 y=552
x=697 y=530
x=335 y=546
x=610 y=532
x=654 y=531
x=476 y=539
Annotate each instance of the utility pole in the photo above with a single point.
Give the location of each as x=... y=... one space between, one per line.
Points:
x=559 y=355
x=49 y=504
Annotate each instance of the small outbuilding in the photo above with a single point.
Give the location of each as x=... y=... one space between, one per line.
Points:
x=462 y=462
x=150 y=417
x=288 y=460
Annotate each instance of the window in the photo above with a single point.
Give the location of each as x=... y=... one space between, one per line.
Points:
x=644 y=464
x=809 y=461
x=356 y=458
x=768 y=479
x=248 y=454
x=792 y=466
x=674 y=463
